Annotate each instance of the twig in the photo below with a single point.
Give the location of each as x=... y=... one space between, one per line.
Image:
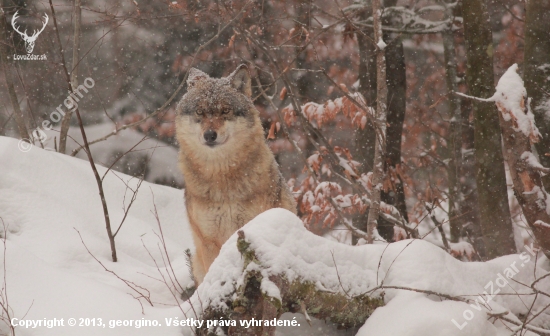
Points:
x=485 y=100
x=509 y=10
x=440 y=228
x=168 y=286
x=161 y=237
x=127 y=210
x=338 y=275
x=87 y=147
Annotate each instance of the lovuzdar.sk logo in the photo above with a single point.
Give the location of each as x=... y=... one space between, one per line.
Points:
x=29 y=40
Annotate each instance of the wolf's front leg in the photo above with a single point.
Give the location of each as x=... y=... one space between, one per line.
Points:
x=206 y=252
x=199 y=270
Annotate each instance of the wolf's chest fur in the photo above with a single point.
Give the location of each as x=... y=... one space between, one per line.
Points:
x=224 y=203
x=219 y=220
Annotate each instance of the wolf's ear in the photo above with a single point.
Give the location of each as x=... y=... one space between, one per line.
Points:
x=240 y=80
x=195 y=75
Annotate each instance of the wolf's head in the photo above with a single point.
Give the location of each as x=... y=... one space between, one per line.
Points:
x=216 y=116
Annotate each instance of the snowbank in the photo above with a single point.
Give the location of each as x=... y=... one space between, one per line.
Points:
x=44 y=197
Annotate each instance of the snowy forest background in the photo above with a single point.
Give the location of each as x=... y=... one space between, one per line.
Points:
x=436 y=164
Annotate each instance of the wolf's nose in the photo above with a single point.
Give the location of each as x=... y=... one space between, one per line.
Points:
x=210 y=136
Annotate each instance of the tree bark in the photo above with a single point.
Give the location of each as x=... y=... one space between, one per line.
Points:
x=537 y=73
x=495 y=219
x=470 y=207
x=380 y=122
x=6 y=53
x=364 y=139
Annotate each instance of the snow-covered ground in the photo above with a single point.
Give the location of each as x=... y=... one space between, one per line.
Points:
x=47 y=199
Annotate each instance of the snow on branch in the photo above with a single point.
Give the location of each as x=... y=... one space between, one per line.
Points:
x=510 y=98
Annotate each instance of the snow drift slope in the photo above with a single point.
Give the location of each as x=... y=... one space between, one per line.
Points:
x=44 y=197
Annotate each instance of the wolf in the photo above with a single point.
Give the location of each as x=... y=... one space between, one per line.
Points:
x=230 y=173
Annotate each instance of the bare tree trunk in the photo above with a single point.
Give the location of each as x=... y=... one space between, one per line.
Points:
x=537 y=73
x=455 y=164
x=66 y=122
x=5 y=54
x=380 y=122
x=396 y=77
x=495 y=218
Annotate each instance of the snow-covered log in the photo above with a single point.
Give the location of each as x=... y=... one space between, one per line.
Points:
x=274 y=265
x=261 y=296
x=519 y=133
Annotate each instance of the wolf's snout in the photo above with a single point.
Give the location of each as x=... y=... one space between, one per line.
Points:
x=210 y=136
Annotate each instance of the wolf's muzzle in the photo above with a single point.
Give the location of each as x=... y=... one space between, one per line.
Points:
x=210 y=137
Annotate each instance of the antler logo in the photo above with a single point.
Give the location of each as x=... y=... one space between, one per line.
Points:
x=29 y=40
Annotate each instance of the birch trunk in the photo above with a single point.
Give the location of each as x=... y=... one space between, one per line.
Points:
x=365 y=138
x=455 y=164
x=380 y=127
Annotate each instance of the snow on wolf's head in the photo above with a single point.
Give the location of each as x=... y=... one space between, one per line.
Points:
x=216 y=117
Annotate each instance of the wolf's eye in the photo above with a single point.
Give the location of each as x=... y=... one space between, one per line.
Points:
x=225 y=111
x=199 y=112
